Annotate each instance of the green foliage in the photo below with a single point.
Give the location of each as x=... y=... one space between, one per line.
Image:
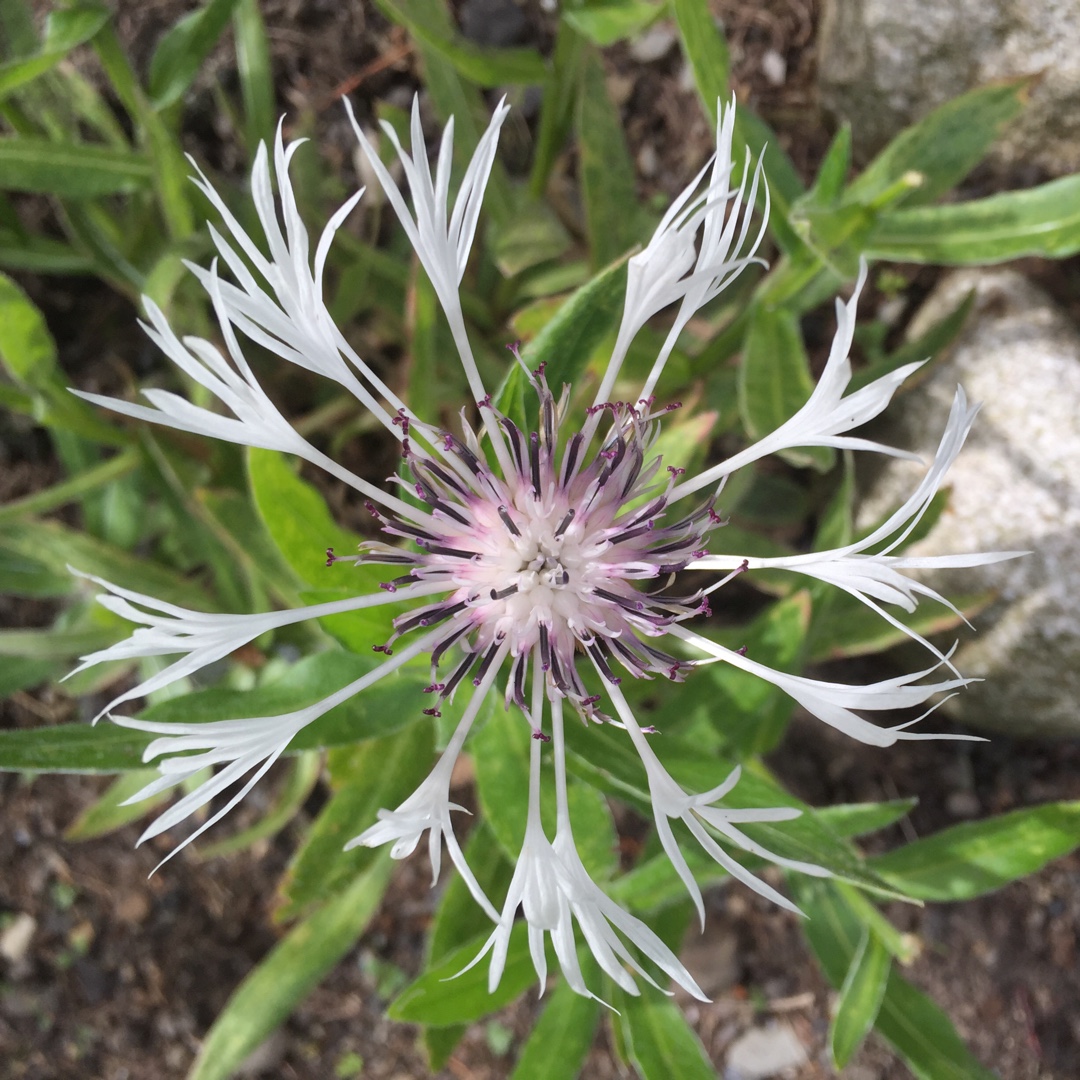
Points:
x=292 y=970
x=216 y=529
x=978 y=857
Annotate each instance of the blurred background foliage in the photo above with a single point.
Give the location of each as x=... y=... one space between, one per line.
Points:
x=94 y=185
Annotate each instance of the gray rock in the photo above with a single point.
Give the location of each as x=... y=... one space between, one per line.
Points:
x=763 y=1052
x=883 y=64
x=1015 y=486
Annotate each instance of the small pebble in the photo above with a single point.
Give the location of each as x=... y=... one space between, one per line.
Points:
x=774 y=67
x=15 y=940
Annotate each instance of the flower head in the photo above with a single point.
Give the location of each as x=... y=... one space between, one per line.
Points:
x=540 y=563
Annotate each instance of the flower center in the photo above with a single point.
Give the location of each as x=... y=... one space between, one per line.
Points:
x=542 y=561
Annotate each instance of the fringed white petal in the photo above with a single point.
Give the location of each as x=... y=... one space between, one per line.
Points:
x=204 y=637
x=675 y=268
x=827 y=415
x=670 y=802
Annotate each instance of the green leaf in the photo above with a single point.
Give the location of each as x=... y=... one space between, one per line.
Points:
x=659 y=1042
x=20 y=673
x=534 y=237
x=181 y=52
x=831 y=177
x=580 y=326
x=297 y=518
x=981 y=856
x=64 y=30
x=41 y=255
x=921 y=1033
x=70 y=170
x=379 y=710
x=27 y=349
x=858 y=819
x=707 y=52
x=606 y=23
x=373 y=775
x=56 y=546
x=608 y=181
x=77 y=748
x=500 y=752
x=292 y=970
x=775 y=381
x=107 y=813
x=73 y=489
x=1043 y=221
x=860 y=998
x=846 y=627
x=930 y=344
x=254 y=69
x=945 y=145
x=602 y=759
x=748 y=713
x=304 y=769
x=560 y=1040
x=375 y=712
x=486 y=67
x=446 y=995
x=558 y=105
x=459 y=918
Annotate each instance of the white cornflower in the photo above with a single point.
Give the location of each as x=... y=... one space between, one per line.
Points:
x=531 y=555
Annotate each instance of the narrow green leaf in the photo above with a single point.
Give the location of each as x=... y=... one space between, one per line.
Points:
x=256 y=76
x=1042 y=221
x=659 y=1042
x=56 y=545
x=606 y=23
x=27 y=349
x=74 y=748
x=459 y=918
x=567 y=343
x=921 y=1033
x=72 y=489
x=832 y=175
x=298 y=520
x=749 y=714
x=41 y=255
x=373 y=775
x=169 y=166
x=859 y=819
x=486 y=67
x=292 y=970
x=608 y=182
x=945 y=145
x=182 y=50
x=107 y=813
x=981 y=856
x=928 y=345
x=446 y=995
x=64 y=30
x=558 y=105
x=560 y=1040
x=860 y=998
x=21 y=673
x=70 y=170
x=304 y=769
x=775 y=380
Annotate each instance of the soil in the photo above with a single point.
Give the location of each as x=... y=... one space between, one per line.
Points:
x=110 y=973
